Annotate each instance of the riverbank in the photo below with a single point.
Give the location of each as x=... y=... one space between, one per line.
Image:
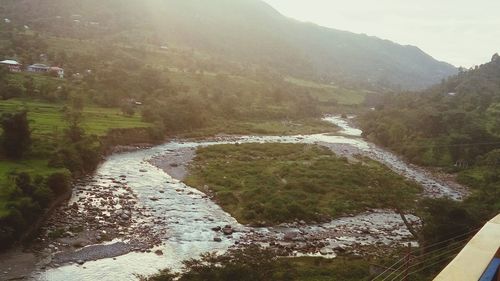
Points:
x=185 y=221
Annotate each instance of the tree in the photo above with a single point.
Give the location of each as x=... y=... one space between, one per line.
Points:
x=248 y=264
x=16 y=138
x=444 y=220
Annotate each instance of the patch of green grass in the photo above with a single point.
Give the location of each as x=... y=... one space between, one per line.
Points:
x=326 y=92
x=338 y=269
x=46 y=121
x=34 y=167
x=48 y=118
x=309 y=84
x=273 y=183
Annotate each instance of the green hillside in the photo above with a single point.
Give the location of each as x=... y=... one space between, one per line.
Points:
x=246 y=31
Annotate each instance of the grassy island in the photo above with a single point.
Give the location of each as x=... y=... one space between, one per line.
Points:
x=274 y=183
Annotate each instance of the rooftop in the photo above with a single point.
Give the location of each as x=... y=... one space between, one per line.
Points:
x=39 y=65
x=11 y=62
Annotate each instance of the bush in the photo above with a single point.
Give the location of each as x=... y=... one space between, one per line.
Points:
x=58 y=183
x=16 y=137
x=249 y=264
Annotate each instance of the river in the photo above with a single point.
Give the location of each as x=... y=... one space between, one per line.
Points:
x=180 y=219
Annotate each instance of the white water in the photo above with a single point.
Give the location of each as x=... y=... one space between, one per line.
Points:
x=187 y=216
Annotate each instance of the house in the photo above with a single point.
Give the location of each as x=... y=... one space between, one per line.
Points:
x=42 y=68
x=479 y=259
x=38 y=67
x=13 y=65
x=59 y=71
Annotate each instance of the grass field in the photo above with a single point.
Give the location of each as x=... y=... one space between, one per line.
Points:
x=47 y=118
x=274 y=183
x=338 y=269
x=326 y=92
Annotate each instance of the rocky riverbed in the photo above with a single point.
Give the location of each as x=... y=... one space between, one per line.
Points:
x=136 y=216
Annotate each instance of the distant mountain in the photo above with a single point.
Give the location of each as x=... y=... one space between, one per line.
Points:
x=249 y=31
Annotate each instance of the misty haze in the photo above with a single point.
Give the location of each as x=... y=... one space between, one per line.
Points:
x=249 y=140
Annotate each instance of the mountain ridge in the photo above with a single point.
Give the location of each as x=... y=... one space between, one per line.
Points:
x=250 y=31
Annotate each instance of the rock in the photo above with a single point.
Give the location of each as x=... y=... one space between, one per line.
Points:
x=324 y=252
x=80 y=262
x=217 y=239
x=217 y=228
x=174 y=165
x=143 y=171
x=159 y=252
x=227 y=230
x=290 y=236
x=340 y=248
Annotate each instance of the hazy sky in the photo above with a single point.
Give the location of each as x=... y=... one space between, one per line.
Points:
x=461 y=32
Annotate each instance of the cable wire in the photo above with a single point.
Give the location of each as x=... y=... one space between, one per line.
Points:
x=390 y=268
x=430 y=265
x=431 y=258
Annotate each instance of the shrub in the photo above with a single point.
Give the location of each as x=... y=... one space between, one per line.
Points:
x=58 y=183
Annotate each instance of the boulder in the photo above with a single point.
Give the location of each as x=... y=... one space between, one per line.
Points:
x=227 y=230
x=290 y=236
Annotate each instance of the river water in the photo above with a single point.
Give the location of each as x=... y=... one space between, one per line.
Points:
x=183 y=217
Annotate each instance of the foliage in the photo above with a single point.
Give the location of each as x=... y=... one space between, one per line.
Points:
x=257 y=264
x=16 y=134
x=22 y=200
x=444 y=220
x=455 y=121
x=273 y=183
x=228 y=31
x=78 y=152
x=454 y=125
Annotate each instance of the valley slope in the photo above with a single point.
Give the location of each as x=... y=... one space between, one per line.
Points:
x=249 y=32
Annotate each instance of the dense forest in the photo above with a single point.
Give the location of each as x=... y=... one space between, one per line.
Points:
x=454 y=126
x=270 y=39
